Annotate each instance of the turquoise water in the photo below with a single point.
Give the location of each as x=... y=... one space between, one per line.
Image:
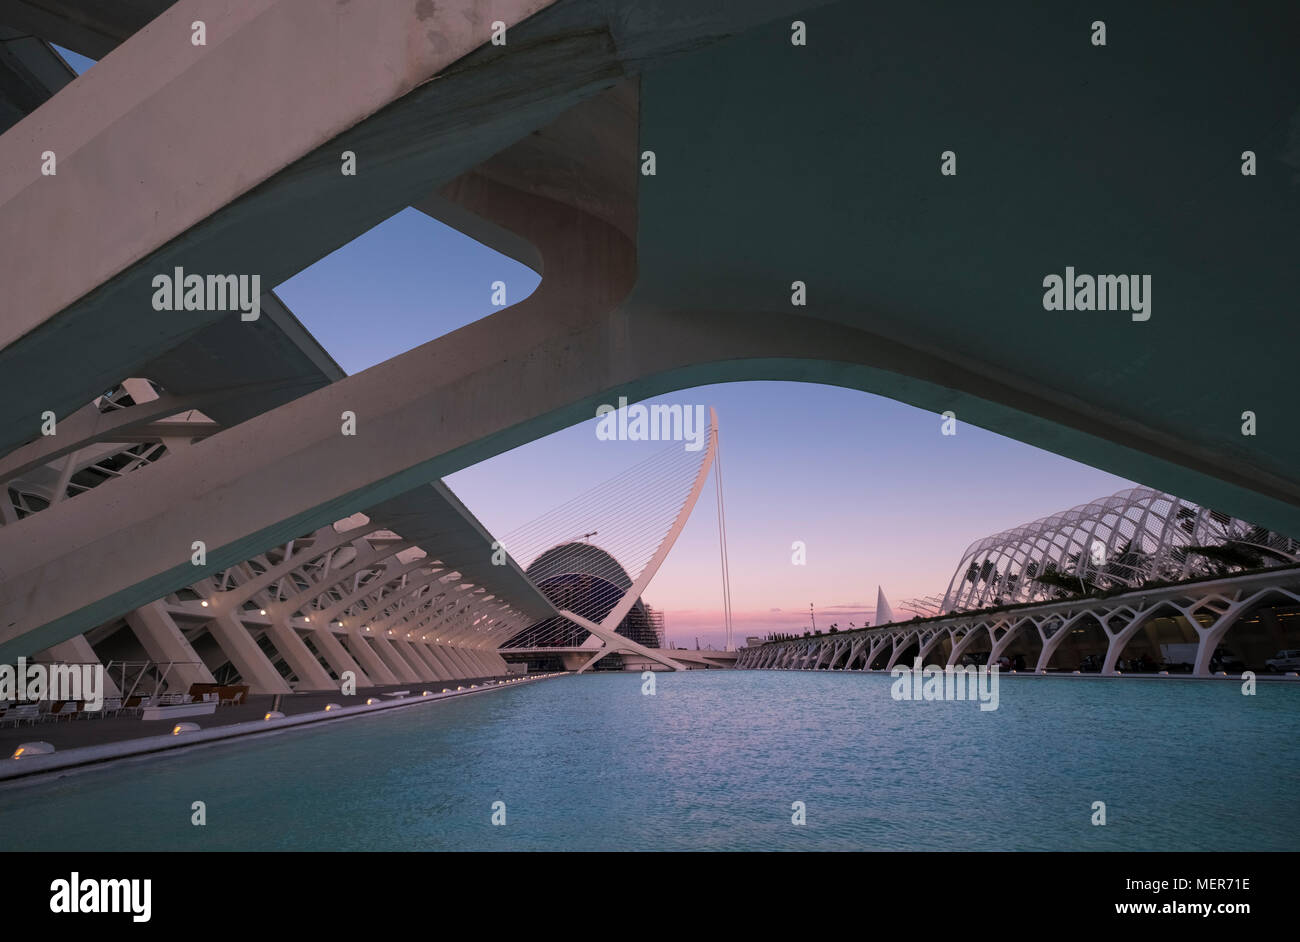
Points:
x=714 y=761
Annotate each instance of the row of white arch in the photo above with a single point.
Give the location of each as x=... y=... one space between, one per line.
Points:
x=1211 y=607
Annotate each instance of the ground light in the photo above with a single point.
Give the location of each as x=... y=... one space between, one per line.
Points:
x=185 y=728
x=32 y=749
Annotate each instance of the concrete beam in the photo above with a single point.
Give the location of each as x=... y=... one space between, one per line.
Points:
x=255 y=668
x=359 y=646
x=163 y=642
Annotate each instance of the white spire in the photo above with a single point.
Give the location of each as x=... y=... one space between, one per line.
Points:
x=884 y=614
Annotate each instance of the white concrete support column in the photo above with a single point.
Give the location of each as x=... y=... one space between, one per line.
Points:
x=822 y=650
x=855 y=651
x=458 y=657
x=840 y=648
x=453 y=669
x=375 y=666
x=901 y=644
x=254 y=667
x=482 y=667
x=472 y=667
x=163 y=642
x=412 y=657
x=337 y=656
x=77 y=651
x=458 y=654
x=396 y=663
x=1116 y=641
x=425 y=650
x=311 y=676
x=1211 y=636
x=1051 y=644
x=928 y=646
x=1008 y=636
x=958 y=649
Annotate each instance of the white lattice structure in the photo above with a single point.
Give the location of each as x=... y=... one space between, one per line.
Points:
x=1126 y=540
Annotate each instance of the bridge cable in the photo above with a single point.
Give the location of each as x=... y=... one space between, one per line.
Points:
x=722 y=541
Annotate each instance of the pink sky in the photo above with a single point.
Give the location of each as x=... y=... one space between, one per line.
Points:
x=875 y=492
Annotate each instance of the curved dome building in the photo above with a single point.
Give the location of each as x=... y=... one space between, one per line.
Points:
x=584 y=579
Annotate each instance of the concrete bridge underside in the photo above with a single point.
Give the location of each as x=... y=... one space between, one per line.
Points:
x=775 y=163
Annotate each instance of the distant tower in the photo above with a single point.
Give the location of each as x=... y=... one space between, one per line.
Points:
x=884 y=614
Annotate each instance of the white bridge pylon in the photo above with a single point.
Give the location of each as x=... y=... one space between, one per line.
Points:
x=606 y=629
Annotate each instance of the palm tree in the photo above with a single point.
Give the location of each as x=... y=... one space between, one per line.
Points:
x=1064 y=584
x=1229 y=556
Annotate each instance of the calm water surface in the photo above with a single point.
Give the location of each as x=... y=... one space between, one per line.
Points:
x=714 y=761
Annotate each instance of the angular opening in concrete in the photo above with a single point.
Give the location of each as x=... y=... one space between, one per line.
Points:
x=407 y=281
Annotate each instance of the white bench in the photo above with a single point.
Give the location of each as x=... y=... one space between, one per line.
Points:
x=24 y=713
x=180 y=709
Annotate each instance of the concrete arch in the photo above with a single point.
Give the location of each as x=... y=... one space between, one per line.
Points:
x=903 y=642
x=928 y=643
x=1212 y=635
x=1050 y=644
x=651 y=357
x=977 y=632
x=1015 y=629
x=878 y=647
x=855 y=651
x=1120 y=638
x=841 y=648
